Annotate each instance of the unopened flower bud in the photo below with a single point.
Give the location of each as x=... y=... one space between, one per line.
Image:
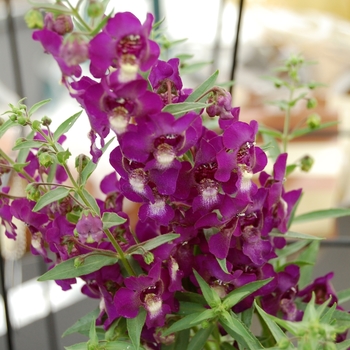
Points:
x=62 y=24
x=32 y=192
x=36 y=125
x=46 y=159
x=34 y=19
x=306 y=163
x=95 y=9
x=148 y=258
x=46 y=121
x=22 y=120
x=13 y=117
x=81 y=161
x=311 y=103
x=74 y=50
x=313 y=121
x=78 y=261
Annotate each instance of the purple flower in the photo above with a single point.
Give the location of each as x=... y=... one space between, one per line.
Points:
x=323 y=289
x=147 y=291
x=90 y=228
x=6 y=215
x=165 y=80
x=124 y=44
x=51 y=43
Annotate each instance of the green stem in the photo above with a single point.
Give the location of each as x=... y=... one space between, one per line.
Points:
x=77 y=15
x=119 y=250
x=22 y=172
x=287 y=121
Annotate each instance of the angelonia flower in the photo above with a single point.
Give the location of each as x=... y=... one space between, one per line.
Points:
x=207 y=186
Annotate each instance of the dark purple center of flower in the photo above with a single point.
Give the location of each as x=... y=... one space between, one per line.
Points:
x=205 y=171
x=129 y=45
x=156 y=289
x=170 y=139
x=243 y=155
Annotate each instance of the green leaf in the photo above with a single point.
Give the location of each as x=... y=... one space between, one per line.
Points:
x=304 y=131
x=290 y=168
x=296 y=235
x=191 y=297
x=152 y=243
x=283 y=105
x=223 y=265
x=273 y=146
x=275 y=330
x=51 y=196
x=28 y=144
x=328 y=315
x=345 y=345
x=187 y=308
x=83 y=324
x=7 y=125
x=68 y=268
x=200 y=338
x=207 y=314
x=93 y=341
x=203 y=88
x=79 y=346
x=62 y=157
x=178 y=109
x=211 y=297
x=322 y=214
x=308 y=255
x=54 y=8
x=247 y=316
x=291 y=248
x=91 y=200
x=189 y=68
x=66 y=125
x=118 y=345
x=240 y=293
x=263 y=129
x=343 y=296
x=135 y=326
x=239 y=331
x=184 y=323
x=37 y=105
x=182 y=339
x=111 y=219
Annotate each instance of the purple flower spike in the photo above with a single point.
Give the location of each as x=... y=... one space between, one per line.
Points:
x=123 y=44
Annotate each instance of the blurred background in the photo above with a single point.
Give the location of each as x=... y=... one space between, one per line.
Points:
x=270 y=31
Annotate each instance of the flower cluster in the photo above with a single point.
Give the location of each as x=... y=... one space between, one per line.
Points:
x=207 y=189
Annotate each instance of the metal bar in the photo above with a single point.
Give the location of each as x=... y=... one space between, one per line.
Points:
x=236 y=45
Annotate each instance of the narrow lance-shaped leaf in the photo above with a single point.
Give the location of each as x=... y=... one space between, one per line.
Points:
x=83 y=324
x=200 y=338
x=78 y=266
x=322 y=214
x=204 y=87
x=178 y=109
x=308 y=255
x=184 y=323
x=7 y=125
x=52 y=196
x=211 y=297
x=91 y=200
x=296 y=235
x=239 y=331
x=37 y=105
x=135 y=326
x=240 y=293
x=343 y=296
x=66 y=125
x=275 y=330
x=28 y=144
x=152 y=243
